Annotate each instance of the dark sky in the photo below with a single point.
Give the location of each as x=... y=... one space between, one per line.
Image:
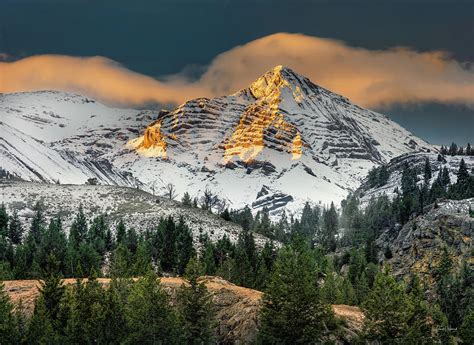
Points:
x=164 y=37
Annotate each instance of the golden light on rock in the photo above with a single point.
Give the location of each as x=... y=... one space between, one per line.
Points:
x=152 y=143
x=297 y=147
x=262 y=123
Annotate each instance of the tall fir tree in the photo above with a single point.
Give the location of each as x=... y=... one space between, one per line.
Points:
x=195 y=307
x=292 y=311
x=15 y=229
x=150 y=319
x=8 y=326
x=427 y=174
x=387 y=310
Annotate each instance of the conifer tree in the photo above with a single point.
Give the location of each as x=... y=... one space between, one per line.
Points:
x=329 y=231
x=445 y=179
x=97 y=235
x=387 y=310
x=8 y=327
x=184 y=246
x=15 y=229
x=86 y=315
x=53 y=245
x=469 y=151
x=226 y=214
x=427 y=170
x=264 y=226
x=208 y=258
x=121 y=261
x=51 y=290
x=466 y=331
x=40 y=328
x=3 y=220
x=143 y=259
x=292 y=311
x=78 y=231
x=195 y=307
x=169 y=250
x=150 y=319
x=420 y=323
x=37 y=224
x=120 y=233
x=186 y=200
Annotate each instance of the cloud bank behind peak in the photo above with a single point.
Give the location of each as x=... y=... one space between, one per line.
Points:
x=371 y=78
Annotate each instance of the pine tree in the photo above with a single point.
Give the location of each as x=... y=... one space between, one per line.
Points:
x=86 y=314
x=120 y=233
x=453 y=149
x=444 y=267
x=53 y=244
x=469 y=151
x=226 y=214
x=113 y=324
x=292 y=311
x=329 y=231
x=186 y=200
x=121 y=261
x=8 y=327
x=195 y=307
x=348 y=292
x=264 y=226
x=78 y=231
x=427 y=170
x=51 y=290
x=40 y=328
x=445 y=179
x=15 y=229
x=184 y=246
x=143 y=259
x=463 y=174
x=331 y=292
x=3 y=220
x=387 y=310
x=169 y=250
x=37 y=224
x=208 y=258
x=466 y=331
x=420 y=330
x=97 y=234
x=150 y=319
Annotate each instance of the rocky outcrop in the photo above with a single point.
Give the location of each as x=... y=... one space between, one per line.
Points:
x=237 y=308
x=417 y=247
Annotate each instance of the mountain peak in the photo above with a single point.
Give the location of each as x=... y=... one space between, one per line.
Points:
x=271 y=83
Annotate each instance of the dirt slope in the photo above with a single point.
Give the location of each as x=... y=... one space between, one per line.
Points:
x=236 y=307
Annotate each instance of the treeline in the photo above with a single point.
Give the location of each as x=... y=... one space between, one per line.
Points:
x=125 y=312
x=455 y=150
x=296 y=306
x=90 y=245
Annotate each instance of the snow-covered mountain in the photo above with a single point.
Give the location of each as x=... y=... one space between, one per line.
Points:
x=279 y=142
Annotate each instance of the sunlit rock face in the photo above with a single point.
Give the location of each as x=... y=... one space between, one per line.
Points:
x=239 y=126
x=281 y=111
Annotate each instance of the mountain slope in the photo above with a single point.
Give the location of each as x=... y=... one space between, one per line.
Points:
x=136 y=208
x=277 y=143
